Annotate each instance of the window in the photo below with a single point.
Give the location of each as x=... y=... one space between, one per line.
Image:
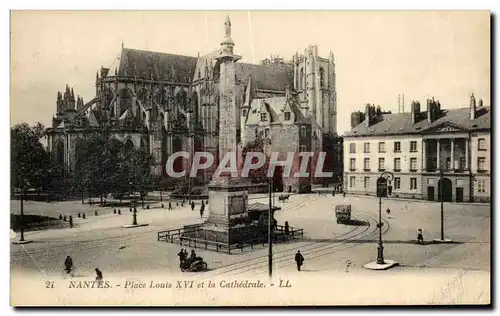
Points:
x=352 y=148
x=244 y=113
x=301 y=79
x=481 y=164
x=302 y=148
x=366 y=147
x=367 y=164
x=381 y=147
x=413 y=183
x=397 y=183
x=263 y=117
x=321 y=77
x=481 y=185
x=413 y=146
x=397 y=164
x=381 y=164
x=266 y=132
x=481 y=144
x=352 y=164
x=461 y=162
x=352 y=182
x=367 y=182
x=287 y=116
x=303 y=131
x=413 y=164
x=397 y=147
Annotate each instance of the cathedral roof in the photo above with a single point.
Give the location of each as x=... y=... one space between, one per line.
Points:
x=160 y=66
x=400 y=123
x=265 y=77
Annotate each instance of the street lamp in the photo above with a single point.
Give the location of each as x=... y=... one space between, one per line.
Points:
x=383 y=185
x=441 y=198
x=134 y=214
x=270 y=231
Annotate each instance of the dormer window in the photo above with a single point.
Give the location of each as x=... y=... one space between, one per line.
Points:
x=244 y=113
x=263 y=117
x=287 y=116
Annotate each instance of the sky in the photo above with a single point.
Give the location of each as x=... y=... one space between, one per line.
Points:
x=378 y=55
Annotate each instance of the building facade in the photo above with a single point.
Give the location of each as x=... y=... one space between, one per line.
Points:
x=166 y=103
x=427 y=152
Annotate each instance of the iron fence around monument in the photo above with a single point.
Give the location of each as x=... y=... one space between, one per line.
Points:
x=187 y=236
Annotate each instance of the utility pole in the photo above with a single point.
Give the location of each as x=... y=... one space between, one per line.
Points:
x=441 y=197
x=22 y=215
x=270 y=232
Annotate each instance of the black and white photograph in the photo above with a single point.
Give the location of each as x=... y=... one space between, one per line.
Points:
x=250 y=158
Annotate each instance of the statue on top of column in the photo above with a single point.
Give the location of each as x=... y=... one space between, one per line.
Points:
x=228 y=26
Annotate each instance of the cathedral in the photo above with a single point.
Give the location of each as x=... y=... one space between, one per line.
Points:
x=164 y=103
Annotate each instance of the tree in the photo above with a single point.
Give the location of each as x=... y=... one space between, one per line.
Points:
x=257 y=145
x=29 y=161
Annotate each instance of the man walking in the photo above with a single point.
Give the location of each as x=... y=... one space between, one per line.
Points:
x=420 y=237
x=299 y=259
x=98 y=274
x=202 y=209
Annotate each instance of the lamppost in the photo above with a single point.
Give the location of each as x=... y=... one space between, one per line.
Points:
x=383 y=185
x=270 y=231
x=134 y=214
x=441 y=198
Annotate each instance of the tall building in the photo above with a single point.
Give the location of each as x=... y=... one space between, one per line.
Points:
x=427 y=152
x=166 y=103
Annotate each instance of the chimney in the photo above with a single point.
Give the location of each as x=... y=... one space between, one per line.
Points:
x=415 y=111
x=472 y=107
x=430 y=111
x=368 y=115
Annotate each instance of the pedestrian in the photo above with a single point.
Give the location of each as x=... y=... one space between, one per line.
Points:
x=71 y=222
x=79 y=215
x=181 y=258
x=344 y=193
x=176 y=203
x=64 y=218
x=95 y=212
x=130 y=210
x=299 y=259
x=169 y=205
x=162 y=205
x=147 y=207
x=388 y=211
x=83 y=215
x=60 y=217
x=287 y=228
x=98 y=274
x=333 y=193
x=420 y=237
x=192 y=205
x=119 y=212
x=114 y=211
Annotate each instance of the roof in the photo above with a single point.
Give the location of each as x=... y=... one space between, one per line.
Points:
x=261 y=207
x=275 y=106
x=161 y=66
x=203 y=63
x=264 y=77
x=400 y=123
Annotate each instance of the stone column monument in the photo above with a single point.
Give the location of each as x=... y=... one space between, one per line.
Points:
x=227 y=193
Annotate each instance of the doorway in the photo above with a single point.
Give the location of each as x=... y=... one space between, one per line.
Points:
x=459 y=195
x=447 y=190
x=430 y=193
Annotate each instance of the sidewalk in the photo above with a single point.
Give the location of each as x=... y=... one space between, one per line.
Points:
x=418 y=200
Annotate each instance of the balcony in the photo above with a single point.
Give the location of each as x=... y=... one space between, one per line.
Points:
x=381 y=169
x=397 y=170
x=482 y=171
x=413 y=170
x=352 y=169
x=366 y=169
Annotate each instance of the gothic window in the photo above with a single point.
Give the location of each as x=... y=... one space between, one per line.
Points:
x=182 y=99
x=217 y=71
x=60 y=152
x=301 y=79
x=321 y=77
x=194 y=105
x=287 y=116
